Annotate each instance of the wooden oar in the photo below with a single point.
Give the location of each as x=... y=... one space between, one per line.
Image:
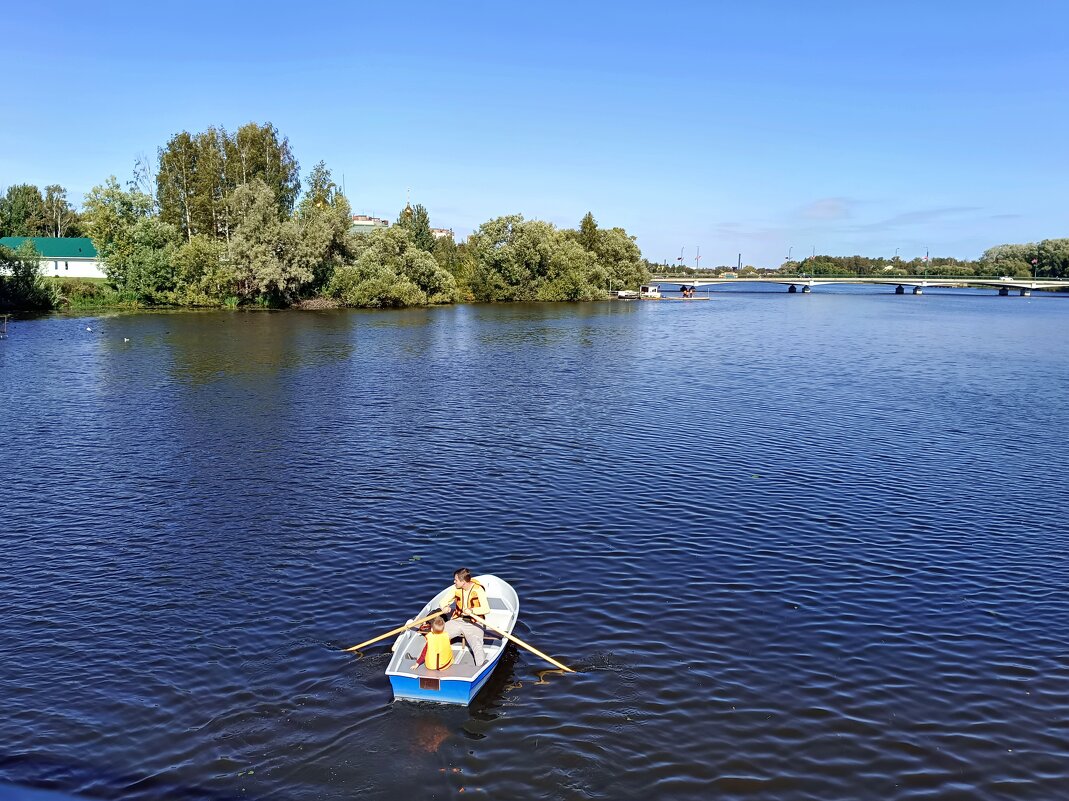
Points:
x=530 y=648
x=397 y=630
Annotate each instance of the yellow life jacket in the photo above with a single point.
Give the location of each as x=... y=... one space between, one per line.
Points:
x=439 y=654
x=459 y=598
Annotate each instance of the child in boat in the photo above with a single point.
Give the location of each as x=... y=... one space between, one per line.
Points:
x=438 y=652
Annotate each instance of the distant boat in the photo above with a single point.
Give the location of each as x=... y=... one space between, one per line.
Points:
x=627 y=294
x=460 y=682
x=649 y=292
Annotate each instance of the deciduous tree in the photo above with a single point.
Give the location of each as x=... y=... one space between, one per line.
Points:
x=22 y=212
x=111 y=216
x=61 y=216
x=417 y=222
x=199 y=172
x=273 y=258
x=388 y=252
x=22 y=286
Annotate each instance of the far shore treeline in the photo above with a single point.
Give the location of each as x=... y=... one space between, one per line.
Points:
x=222 y=219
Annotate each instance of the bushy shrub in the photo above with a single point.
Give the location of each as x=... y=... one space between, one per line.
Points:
x=374 y=287
x=203 y=276
x=22 y=286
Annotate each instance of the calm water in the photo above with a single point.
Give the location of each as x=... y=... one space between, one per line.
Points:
x=798 y=547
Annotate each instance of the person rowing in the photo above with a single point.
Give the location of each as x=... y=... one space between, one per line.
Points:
x=466 y=613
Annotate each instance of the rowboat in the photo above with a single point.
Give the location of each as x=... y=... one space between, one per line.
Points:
x=461 y=681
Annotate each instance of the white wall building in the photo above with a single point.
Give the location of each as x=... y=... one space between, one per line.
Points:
x=62 y=257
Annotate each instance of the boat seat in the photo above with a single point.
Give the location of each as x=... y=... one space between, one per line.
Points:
x=499 y=618
x=461 y=669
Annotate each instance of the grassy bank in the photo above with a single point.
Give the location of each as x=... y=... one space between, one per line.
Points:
x=90 y=293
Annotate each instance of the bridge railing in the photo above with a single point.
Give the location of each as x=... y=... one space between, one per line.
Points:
x=864 y=276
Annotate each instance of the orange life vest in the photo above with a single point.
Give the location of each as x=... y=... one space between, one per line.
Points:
x=459 y=599
x=439 y=652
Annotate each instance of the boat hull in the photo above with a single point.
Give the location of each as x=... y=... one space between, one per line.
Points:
x=442 y=691
x=460 y=682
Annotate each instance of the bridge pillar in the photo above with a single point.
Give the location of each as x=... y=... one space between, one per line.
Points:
x=918 y=291
x=807 y=289
x=1026 y=293
x=1003 y=291
x=900 y=290
x=792 y=288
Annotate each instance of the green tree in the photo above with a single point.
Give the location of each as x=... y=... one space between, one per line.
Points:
x=22 y=212
x=273 y=260
x=511 y=258
x=518 y=259
x=199 y=172
x=387 y=269
x=62 y=219
x=22 y=286
x=417 y=222
x=257 y=151
x=323 y=220
x=571 y=273
x=321 y=189
x=1011 y=260
x=446 y=253
x=588 y=232
x=619 y=255
x=256 y=244
x=202 y=272
x=111 y=217
x=176 y=184
x=1053 y=256
x=211 y=186
x=374 y=286
x=149 y=267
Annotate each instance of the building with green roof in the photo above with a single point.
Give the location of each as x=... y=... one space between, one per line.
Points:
x=62 y=256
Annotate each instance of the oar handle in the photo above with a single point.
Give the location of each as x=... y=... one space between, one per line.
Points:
x=397 y=630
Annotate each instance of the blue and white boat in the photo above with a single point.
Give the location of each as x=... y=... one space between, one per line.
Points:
x=460 y=682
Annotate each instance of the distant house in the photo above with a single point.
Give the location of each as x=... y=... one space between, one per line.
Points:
x=363 y=224
x=438 y=233
x=65 y=256
x=729 y=275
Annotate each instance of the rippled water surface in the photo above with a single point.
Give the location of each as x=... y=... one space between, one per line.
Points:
x=798 y=547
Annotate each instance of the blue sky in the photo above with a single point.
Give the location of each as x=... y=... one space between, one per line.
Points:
x=844 y=127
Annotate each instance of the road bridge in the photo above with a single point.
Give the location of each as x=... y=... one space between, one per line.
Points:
x=806 y=283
